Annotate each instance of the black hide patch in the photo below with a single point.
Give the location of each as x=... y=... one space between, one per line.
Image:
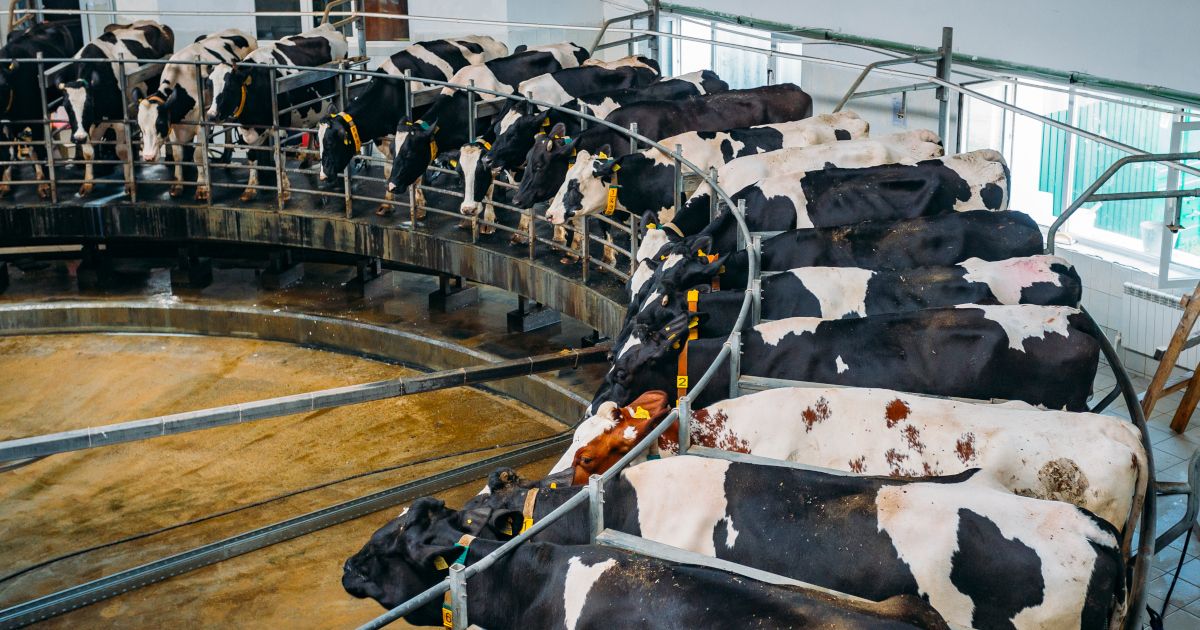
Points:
x=992 y=196
x=138 y=50
x=573 y=198
x=108 y=37
x=238 y=41
x=471 y=46
x=405 y=60
x=1001 y=576
x=841 y=134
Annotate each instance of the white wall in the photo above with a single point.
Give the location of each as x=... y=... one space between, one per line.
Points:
x=1144 y=42
x=188 y=27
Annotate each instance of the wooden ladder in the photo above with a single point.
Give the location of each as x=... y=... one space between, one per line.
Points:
x=1161 y=385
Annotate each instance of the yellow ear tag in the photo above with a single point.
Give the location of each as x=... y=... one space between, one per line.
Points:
x=702 y=254
x=527 y=524
x=546 y=123
x=612 y=200
x=616 y=167
x=507 y=530
x=454 y=163
x=650 y=226
x=553 y=485
x=432 y=150
x=693 y=296
x=676 y=346
x=601 y=156
x=487 y=145
x=641 y=413
x=695 y=322
x=722 y=269
x=439 y=563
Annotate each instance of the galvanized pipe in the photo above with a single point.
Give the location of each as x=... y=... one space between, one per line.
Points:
x=943 y=73
x=879 y=64
x=684 y=405
x=123 y=81
x=595 y=492
x=49 y=134
x=458 y=597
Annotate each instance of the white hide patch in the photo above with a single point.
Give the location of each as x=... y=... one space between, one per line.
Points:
x=668 y=515
x=839 y=290
x=695 y=78
x=672 y=260
x=545 y=89
x=640 y=277
x=152 y=143
x=592 y=188
x=630 y=434
x=650 y=299
x=1007 y=278
x=483 y=78
x=922 y=521
x=1024 y=321
x=77 y=97
x=631 y=343
x=419 y=51
x=653 y=241
x=468 y=158
x=604 y=108
x=511 y=117
x=978 y=169
x=731 y=533
x=587 y=431
x=773 y=332
x=578 y=583
x=841 y=365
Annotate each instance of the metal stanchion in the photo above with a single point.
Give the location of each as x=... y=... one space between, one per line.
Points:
x=123 y=80
x=678 y=177
x=735 y=363
x=633 y=241
x=633 y=142
x=685 y=424
x=714 y=202
x=583 y=251
x=205 y=166
x=49 y=130
x=279 y=192
x=595 y=507
x=458 y=597
x=471 y=112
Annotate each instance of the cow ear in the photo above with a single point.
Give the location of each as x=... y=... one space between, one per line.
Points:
x=473 y=521
x=668 y=340
x=559 y=131
x=432 y=128
x=506 y=523
x=649 y=218
x=502 y=478
x=520 y=49
x=539 y=120
x=95 y=80
x=138 y=95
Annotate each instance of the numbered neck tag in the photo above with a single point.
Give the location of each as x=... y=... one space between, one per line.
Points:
x=612 y=200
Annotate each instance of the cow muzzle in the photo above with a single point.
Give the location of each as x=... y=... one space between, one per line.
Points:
x=469 y=208
x=391 y=186
x=150 y=157
x=79 y=138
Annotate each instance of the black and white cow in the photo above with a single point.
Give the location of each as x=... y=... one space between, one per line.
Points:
x=636 y=61
x=173 y=111
x=92 y=91
x=18 y=78
x=645 y=181
x=542 y=586
x=1043 y=355
x=373 y=114
x=903 y=148
x=418 y=142
x=546 y=164
x=243 y=93
x=850 y=292
x=982 y=556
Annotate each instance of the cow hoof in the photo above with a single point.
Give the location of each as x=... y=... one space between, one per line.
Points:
x=85 y=190
x=487 y=229
x=287 y=194
x=384 y=211
x=464 y=224
x=201 y=194
x=249 y=194
x=519 y=239
x=5 y=191
x=420 y=214
x=44 y=191
x=176 y=190
x=569 y=259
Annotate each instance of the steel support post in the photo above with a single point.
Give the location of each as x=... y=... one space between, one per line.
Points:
x=756 y=289
x=408 y=96
x=685 y=424
x=595 y=507
x=124 y=83
x=735 y=363
x=633 y=241
x=279 y=191
x=471 y=113
x=632 y=141
x=458 y=597
x=714 y=202
x=583 y=109
x=49 y=130
x=652 y=25
x=204 y=164
x=583 y=251
x=943 y=73
x=678 y=178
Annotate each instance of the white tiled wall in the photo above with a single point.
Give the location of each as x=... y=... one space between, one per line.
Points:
x=1143 y=325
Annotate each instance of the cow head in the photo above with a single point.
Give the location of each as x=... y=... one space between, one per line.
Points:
x=77 y=100
x=648 y=360
x=401 y=559
x=414 y=149
x=476 y=176
x=230 y=89
x=337 y=146
x=545 y=167
x=515 y=134
x=585 y=192
x=675 y=267
x=622 y=429
x=155 y=114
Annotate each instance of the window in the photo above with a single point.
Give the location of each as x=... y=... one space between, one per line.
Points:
x=277 y=27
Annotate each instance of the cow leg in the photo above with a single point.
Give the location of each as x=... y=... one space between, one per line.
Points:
x=420 y=197
x=489 y=211
x=610 y=252
x=177 y=155
x=43 y=189
x=522 y=235
x=5 y=189
x=89 y=152
x=37 y=152
x=287 y=193
x=250 y=194
x=577 y=243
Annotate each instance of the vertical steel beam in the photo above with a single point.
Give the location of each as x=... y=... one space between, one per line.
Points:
x=458 y=596
x=470 y=114
x=205 y=168
x=633 y=241
x=595 y=507
x=684 y=406
x=633 y=128
x=735 y=363
x=124 y=82
x=652 y=24
x=583 y=251
x=48 y=129
x=943 y=73
x=278 y=140
x=714 y=202
x=583 y=109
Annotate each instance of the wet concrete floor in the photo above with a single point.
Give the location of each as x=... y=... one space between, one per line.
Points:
x=72 y=501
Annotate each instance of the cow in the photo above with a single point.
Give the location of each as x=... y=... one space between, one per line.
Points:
x=645 y=181
x=936 y=241
x=849 y=292
x=908 y=147
x=172 y=113
x=416 y=142
x=543 y=586
x=982 y=556
x=547 y=164
x=633 y=61
x=440 y=59
x=92 y=91
x=374 y=113
x=1091 y=461
x=1043 y=355
x=568 y=54
x=242 y=93
x=53 y=41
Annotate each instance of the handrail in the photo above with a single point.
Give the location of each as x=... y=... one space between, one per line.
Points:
x=879 y=64
x=604 y=27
